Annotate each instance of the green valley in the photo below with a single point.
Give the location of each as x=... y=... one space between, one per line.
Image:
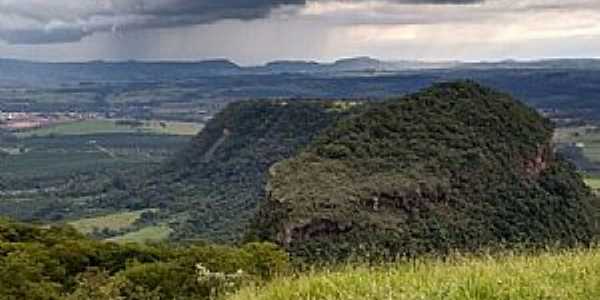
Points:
x=442 y=194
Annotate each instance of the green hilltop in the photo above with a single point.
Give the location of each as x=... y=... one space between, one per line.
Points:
x=455 y=166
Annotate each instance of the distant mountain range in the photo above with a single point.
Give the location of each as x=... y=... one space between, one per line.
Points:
x=357 y=64
x=16 y=71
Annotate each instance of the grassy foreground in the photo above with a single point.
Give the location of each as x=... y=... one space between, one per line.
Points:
x=567 y=275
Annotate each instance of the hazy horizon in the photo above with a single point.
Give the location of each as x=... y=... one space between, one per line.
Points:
x=208 y=59
x=253 y=32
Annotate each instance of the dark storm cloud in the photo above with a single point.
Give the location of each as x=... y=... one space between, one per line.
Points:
x=60 y=21
x=203 y=11
x=37 y=37
x=213 y=10
x=442 y=1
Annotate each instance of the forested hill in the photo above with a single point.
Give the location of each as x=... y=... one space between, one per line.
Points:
x=455 y=166
x=211 y=189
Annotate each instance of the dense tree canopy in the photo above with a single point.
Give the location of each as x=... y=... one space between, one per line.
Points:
x=58 y=263
x=456 y=166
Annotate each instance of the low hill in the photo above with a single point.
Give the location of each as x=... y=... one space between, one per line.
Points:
x=357 y=64
x=211 y=189
x=456 y=166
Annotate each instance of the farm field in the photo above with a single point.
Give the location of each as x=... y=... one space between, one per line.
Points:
x=105 y=126
x=65 y=177
x=149 y=234
x=593 y=182
x=567 y=275
x=585 y=137
x=64 y=155
x=116 y=221
x=34 y=163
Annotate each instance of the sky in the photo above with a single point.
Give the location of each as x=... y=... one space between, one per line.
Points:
x=252 y=32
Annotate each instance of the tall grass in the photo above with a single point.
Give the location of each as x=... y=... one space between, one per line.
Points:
x=564 y=275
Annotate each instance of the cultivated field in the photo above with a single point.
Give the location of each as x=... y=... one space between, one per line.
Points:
x=64 y=155
x=116 y=221
x=105 y=126
x=585 y=137
x=593 y=182
x=61 y=178
x=145 y=235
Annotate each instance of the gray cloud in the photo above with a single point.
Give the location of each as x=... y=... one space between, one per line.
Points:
x=316 y=30
x=59 y=21
x=62 y=21
x=442 y=1
x=33 y=37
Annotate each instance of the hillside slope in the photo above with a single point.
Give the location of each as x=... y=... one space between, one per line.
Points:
x=456 y=166
x=213 y=186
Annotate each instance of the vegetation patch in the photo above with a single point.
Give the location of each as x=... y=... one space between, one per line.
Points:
x=67 y=177
x=593 y=183
x=148 y=234
x=585 y=138
x=57 y=263
x=113 y=222
x=98 y=126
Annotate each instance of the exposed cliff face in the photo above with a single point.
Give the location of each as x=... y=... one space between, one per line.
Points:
x=454 y=166
x=541 y=161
